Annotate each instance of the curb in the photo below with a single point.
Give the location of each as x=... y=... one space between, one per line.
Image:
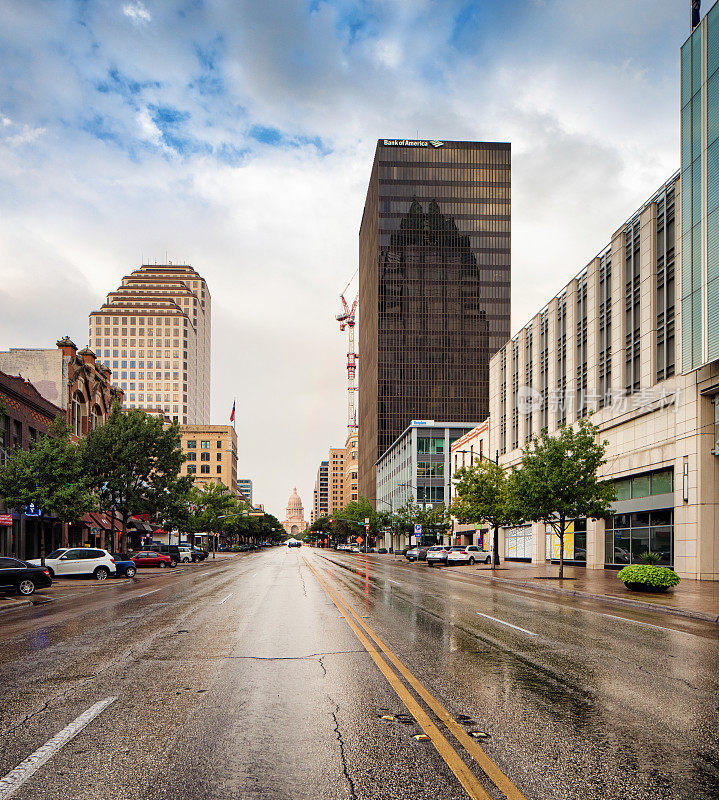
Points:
x=26 y=604
x=611 y=599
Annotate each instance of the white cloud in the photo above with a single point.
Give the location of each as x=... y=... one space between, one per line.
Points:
x=132 y=155
x=137 y=12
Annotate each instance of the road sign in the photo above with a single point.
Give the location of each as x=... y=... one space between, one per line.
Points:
x=417 y=530
x=366 y=520
x=359 y=540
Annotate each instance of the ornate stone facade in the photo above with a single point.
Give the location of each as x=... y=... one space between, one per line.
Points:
x=294 y=523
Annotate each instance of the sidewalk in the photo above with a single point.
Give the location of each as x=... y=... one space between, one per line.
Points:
x=695 y=599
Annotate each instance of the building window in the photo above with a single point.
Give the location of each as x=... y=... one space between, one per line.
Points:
x=503 y=402
x=205 y=444
x=219 y=456
x=544 y=368
x=204 y=456
x=191 y=469
x=562 y=360
x=191 y=443
x=581 y=346
x=528 y=374
x=515 y=391
x=191 y=456
x=632 y=307
x=605 y=330
x=629 y=536
x=78 y=401
x=664 y=291
x=219 y=443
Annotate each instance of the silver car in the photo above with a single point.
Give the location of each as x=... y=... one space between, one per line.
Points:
x=468 y=554
x=437 y=554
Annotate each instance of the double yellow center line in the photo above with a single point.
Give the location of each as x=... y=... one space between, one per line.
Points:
x=451 y=757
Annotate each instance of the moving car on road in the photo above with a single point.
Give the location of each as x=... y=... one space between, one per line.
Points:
x=416 y=554
x=79 y=561
x=150 y=558
x=467 y=554
x=23 y=577
x=292 y=543
x=437 y=555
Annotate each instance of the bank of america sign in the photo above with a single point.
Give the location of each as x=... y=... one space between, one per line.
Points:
x=411 y=143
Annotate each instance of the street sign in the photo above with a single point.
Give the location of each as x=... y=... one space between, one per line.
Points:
x=366 y=520
x=359 y=540
x=417 y=530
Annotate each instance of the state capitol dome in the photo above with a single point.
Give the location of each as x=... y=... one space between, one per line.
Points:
x=294 y=522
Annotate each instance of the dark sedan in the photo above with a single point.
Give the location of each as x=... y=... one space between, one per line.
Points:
x=23 y=578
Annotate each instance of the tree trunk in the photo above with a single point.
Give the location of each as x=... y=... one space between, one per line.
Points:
x=495 y=546
x=561 y=547
x=124 y=533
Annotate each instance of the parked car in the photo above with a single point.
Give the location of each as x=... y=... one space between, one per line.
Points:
x=382 y=550
x=468 y=554
x=437 y=555
x=22 y=576
x=184 y=555
x=416 y=554
x=79 y=561
x=125 y=567
x=151 y=558
x=354 y=549
x=198 y=554
x=171 y=550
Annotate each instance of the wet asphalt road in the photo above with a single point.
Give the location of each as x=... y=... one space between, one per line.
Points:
x=242 y=679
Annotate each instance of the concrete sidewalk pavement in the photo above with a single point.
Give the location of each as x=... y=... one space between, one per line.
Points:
x=695 y=599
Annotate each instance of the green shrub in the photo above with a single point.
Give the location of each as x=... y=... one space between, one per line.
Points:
x=649 y=574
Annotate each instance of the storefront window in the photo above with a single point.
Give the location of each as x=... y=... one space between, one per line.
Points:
x=629 y=536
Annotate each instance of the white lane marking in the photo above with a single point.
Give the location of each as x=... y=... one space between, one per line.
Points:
x=637 y=622
x=391 y=581
x=16 y=777
x=226 y=599
x=138 y=596
x=508 y=624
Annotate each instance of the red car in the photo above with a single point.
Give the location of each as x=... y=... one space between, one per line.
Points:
x=149 y=559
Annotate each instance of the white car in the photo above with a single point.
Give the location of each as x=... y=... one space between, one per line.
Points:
x=185 y=556
x=468 y=555
x=79 y=561
x=437 y=555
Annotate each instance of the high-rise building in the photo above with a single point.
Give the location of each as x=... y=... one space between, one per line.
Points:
x=434 y=273
x=320 y=496
x=154 y=333
x=351 y=490
x=210 y=454
x=336 y=479
x=700 y=194
x=245 y=487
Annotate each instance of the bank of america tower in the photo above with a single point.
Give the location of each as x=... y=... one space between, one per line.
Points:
x=434 y=271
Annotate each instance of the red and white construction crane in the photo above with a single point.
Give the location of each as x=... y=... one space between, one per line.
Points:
x=347 y=320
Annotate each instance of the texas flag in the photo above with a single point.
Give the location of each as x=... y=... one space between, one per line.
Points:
x=232 y=413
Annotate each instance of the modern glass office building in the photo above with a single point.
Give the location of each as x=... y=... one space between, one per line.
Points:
x=434 y=277
x=700 y=193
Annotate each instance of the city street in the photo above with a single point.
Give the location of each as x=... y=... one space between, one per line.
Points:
x=301 y=673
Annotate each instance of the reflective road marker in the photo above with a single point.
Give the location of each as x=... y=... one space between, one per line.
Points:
x=16 y=777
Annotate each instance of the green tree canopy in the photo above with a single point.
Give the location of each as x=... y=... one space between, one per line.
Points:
x=49 y=476
x=557 y=482
x=133 y=462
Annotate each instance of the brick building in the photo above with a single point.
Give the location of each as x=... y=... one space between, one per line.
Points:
x=24 y=416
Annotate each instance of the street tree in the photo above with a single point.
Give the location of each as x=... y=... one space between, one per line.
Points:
x=213 y=509
x=132 y=463
x=482 y=495
x=49 y=477
x=558 y=483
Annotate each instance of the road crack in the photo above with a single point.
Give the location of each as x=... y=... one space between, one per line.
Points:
x=343 y=757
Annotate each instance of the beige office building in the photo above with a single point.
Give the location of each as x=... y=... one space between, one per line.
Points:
x=608 y=347
x=351 y=466
x=211 y=454
x=336 y=479
x=154 y=333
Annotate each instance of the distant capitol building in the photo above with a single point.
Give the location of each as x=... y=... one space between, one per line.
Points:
x=294 y=523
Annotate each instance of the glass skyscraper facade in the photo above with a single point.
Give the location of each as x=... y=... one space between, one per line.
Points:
x=700 y=193
x=434 y=287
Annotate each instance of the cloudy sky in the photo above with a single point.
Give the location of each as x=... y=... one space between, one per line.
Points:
x=238 y=136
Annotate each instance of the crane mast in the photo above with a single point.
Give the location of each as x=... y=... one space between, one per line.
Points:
x=347 y=319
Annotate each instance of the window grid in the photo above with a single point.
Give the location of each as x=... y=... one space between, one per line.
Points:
x=605 y=329
x=632 y=307
x=582 y=346
x=665 y=359
x=562 y=360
